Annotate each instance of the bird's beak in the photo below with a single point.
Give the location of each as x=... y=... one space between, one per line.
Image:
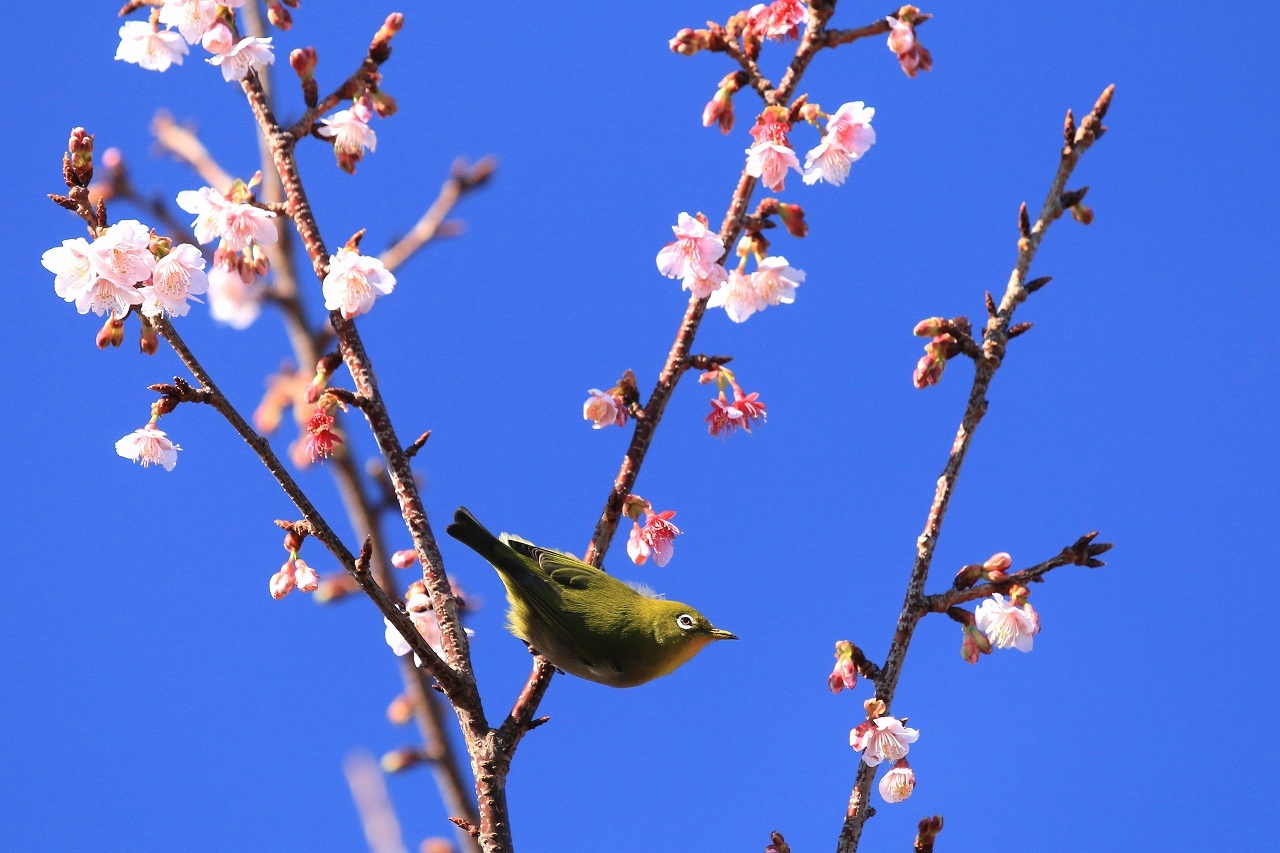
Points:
x=717 y=634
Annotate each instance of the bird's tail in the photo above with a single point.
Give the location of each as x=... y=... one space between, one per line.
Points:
x=470 y=532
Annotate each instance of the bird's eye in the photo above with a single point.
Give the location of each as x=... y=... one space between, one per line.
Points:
x=685 y=621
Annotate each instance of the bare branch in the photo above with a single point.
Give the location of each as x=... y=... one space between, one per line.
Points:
x=463 y=178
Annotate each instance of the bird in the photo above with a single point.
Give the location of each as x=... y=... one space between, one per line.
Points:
x=583 y=620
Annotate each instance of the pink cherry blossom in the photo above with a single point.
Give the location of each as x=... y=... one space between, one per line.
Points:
x=882 y=739
x=827 y=162
x=122 y=254
x=153 y=49
x=104 y=296
x=911 y=55
x=719 y=111
x=771 y=156
x=149 y=446
x=192 y=17
x=218 y=40
x=778 y=20
x=693 y=256
x=350 y=132
x=178 y=276
x=654 y=539
x=354 y=281
x=738 y=298
x=898 y=783
x=741 y=413
x=236 y=224
x=231 y=299
x=249 y=53
x=775 y=282
x=604 y=409
x=70 y=263
x=1007 y=625
x=321 y=439
x=850 y=126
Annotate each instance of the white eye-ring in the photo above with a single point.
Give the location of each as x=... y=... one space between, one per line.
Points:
x=685 y=621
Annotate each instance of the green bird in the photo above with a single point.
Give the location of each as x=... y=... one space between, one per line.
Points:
x=585 y=621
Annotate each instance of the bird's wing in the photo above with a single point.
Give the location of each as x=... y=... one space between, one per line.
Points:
x=565 y=570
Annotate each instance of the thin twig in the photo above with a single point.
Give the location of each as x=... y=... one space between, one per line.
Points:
x=993 y=343
x=462 y=179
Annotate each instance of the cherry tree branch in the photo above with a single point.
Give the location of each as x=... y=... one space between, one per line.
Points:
x=209 y=394
x=994 y=339
x=463 y=178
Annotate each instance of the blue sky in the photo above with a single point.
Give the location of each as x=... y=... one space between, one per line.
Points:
x=155 y=697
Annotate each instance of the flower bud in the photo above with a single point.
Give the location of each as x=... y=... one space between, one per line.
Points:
x=111 y=334
x=400 y=711
x=719 y=111
x=292 y=541
x=80 y=147
x=305 y=577
x=278 y=15
x=1082 y=213
x=875 y=708
x=995 y=576
x=282 y=582
x=928 y=370
x=973 y=644
x=845 y=674
x=399 y=760
x=1018 y=594
x=383 y=104
x=931 y=327
x=687 y=42
x=380 y=49
x=404 y=559
x=793 y=218
x=148 y=341
x=999 y=562
x=303 y=61
x=218 y=40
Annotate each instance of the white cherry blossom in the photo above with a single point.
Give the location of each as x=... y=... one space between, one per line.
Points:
x=249 y=53
x=149 y=446
x=1006 y=624
x=191 y=17
x=178 y=276
x=882 y=739
x=122 y=253
x=738 y=298
x=354 y=281
x=72 y=269
x=153 y=49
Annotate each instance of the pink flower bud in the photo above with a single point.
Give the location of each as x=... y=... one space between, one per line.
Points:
x=404 y=559
x=399 y=760
x=282 y=582
x=1082 y=213
x=931 y=327
x=845 y=674
x=400 y=711
x=148 y=341
x=719 y=110
x=687 y=42
x=1000 y=561
x=218 y=40
x=111 y=334
x=968 y=576
x=604 y=409
x=278 y=15
x=305 y=577
x=928 y=370
x=793 y=218
x=303 y=61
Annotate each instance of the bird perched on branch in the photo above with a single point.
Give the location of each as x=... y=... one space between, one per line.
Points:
x=585 y=621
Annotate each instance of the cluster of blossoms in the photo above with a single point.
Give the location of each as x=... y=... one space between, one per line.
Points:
x=191 y=22
x=242 y=229
x=694 y=258
x=885 y=739
x=742 y=413
x=127 y=266
x=655 y=538
x=997 y=622
x=294 y=574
